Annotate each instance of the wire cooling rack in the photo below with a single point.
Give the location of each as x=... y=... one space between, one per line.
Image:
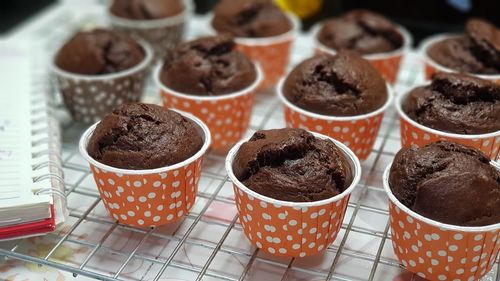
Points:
x=209 y=243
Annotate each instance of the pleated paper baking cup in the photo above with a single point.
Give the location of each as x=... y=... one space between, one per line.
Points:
x=357 y=132
x=163 y=34
x=431 y=66
x=413 y=133
x=438 y=251
x=291 y=229
x=89 y=97
x=227 y=116
x=388 y=63
x=149 y=197
x=271 y=53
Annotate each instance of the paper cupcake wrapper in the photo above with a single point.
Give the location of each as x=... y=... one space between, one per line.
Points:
x=89 y=97
x=271 y=53
x=413 y=133
x=288 y=228
x=438 y=251
x=147 y=198
x=162 y=34
x=227 y=116
x=357 y=132
x=431 y=66
x=387 y=64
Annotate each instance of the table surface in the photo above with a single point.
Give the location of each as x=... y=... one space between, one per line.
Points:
x=209 y=243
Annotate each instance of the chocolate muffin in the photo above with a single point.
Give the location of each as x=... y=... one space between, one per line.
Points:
x=144 y=136
x=477 y=51
x=98 y=52
x=447 y=182
x=340 y=85
x=208 y=66
x=456 y=103
x=250 y=18
x=361 y=30
x=146 y=9
x=292 y=165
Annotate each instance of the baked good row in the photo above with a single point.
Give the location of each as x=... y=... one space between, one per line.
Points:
x=291 y=185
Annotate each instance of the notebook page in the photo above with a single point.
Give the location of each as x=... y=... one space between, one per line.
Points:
x=15 y=129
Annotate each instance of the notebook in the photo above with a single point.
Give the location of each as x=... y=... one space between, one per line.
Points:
x=32 y=197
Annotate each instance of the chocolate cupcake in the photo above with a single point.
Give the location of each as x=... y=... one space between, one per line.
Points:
x=144 y=136
x=98 y=70
x=146 y=162
x=361 y=30
x=341 y=85
x=146 y=9
x=456 y=103
x=251 y=19
x=341 y=96
x=477 y=51
x=382 y=42
x=447 y=182
x=210 y=79
x=261 y=31
x=98 y=52
x=292 y=165
x=208 y=66
x=159 y=22
x=292 y=188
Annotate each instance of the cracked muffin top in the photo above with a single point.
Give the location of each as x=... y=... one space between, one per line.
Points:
x=447 y=182
x=146 y=9
x=477 y=51
x=292 y=165
x=340 y=85
x=250 y=18
x=144 y=136
x=208 y=66
x=456 y=103
x=99 y=51
x=361 y=30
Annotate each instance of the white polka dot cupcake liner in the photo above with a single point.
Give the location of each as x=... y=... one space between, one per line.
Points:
x=431 y=66
x=89 y=97
x=163 y=34
x=357 y=132
x=413 y=133
x=387 y=63
x=271 y=53
x=438 y=251
x=291 y=229
x=227 y=116
x=149 y=197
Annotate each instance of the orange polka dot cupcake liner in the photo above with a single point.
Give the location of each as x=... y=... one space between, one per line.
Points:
x=413 y=133
x=356 y=132
x=431 y=66
x=438 y=251
x=387 y=64
x=291 y=229
x=151 y=197
x=227 y=116
x=271 y=53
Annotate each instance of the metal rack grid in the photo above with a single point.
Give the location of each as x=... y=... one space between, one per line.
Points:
x=209 y=244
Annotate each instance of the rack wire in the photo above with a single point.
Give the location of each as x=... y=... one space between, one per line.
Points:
x=209 y=243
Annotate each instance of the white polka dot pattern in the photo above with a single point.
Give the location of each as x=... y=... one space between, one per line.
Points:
x=227 y=119
x=358 y=135
x=439 y=253
x=149 y=199
x=88 y=101
x=412 y=135
x=289 y=231
x=273 y=59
